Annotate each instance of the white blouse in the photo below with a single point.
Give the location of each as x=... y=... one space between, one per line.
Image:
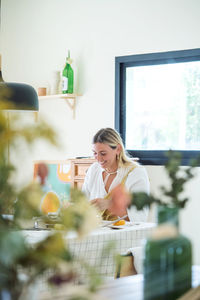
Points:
x=137 y=181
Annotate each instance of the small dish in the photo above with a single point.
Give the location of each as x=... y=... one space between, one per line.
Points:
x=127 y=224
x=117 y=227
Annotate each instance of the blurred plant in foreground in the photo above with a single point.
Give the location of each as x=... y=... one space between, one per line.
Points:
x=21 y=264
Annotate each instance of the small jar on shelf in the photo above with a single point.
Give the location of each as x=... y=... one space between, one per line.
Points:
x=55 y=83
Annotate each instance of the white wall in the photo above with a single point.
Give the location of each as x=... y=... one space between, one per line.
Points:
x=35 y=36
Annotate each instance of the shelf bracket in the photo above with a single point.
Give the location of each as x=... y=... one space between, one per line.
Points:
x=71 y=101
x=69 y=98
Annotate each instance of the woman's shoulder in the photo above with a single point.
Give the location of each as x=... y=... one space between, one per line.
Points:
x=138 y=180
x=140 y=177
x=135 y=169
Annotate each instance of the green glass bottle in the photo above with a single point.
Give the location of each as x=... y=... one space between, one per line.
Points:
x=68 y=77
x=167 y=261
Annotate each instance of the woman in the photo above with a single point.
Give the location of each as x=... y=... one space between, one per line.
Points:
x=113 y=167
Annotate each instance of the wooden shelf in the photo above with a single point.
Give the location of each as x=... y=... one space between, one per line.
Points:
x=70 y=99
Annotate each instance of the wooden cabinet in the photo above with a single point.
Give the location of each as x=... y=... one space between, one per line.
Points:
x=78 y=170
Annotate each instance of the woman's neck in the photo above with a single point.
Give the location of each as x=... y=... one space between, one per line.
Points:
x=111 y=170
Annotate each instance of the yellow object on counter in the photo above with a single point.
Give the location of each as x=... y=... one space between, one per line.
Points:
x=50 y=203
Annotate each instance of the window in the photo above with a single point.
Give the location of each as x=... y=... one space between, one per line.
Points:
x=157 y=104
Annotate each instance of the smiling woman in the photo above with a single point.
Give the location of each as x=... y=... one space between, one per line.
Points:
x=114 y=167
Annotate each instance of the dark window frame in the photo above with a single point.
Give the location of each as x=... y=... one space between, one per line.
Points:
x=147 y=157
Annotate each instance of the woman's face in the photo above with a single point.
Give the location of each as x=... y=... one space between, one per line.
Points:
x=105 y=155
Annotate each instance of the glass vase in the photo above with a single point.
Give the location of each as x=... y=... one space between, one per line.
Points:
x=168 y=259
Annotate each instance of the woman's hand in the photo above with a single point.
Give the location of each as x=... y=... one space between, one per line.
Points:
x=100 y=203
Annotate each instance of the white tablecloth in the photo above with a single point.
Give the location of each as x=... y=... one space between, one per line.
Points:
x=92 y=248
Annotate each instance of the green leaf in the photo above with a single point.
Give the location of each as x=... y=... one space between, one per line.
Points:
x=12 y=247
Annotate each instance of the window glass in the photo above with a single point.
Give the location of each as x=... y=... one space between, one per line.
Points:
x=163 y=107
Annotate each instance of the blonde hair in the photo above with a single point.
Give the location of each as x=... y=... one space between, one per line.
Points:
x=111 y=137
